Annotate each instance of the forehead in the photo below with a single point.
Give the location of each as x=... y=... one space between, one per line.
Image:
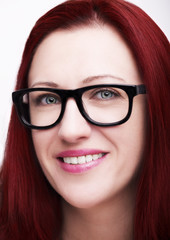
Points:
x=67 y=57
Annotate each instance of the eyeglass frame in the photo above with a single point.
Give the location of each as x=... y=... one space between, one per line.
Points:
x=76 y=94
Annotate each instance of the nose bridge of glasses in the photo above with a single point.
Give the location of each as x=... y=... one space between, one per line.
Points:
x=72 y=94
x=72 y=114
x=75 y=97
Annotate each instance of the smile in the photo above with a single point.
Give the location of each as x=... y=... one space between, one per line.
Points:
x=82 y=159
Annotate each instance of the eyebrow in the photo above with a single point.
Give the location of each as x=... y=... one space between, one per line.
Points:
x=49 y=84
x=93 y=78
x=85 y=81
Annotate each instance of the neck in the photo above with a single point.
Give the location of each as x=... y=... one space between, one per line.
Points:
x=112 y=218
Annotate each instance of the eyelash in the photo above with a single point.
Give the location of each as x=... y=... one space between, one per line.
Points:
x=39 y=100
x=113 y=92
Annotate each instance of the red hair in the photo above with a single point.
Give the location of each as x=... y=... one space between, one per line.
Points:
x=30 y=208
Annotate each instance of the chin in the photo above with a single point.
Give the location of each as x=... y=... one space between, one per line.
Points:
x=85 y=199
x=82 y=203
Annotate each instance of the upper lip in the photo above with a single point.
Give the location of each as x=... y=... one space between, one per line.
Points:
x=79 y=152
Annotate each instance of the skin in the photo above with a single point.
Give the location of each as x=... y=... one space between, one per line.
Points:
x=99 y=203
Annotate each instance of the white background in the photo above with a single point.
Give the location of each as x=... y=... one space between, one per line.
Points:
x=17 y=17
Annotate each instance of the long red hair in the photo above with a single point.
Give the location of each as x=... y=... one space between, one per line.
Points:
x=30 y=208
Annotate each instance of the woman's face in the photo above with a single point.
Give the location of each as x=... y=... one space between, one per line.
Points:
x=70 y=59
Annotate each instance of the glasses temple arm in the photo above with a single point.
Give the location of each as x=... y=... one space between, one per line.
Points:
x=140 y=89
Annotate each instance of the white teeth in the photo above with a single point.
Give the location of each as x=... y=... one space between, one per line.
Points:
x=82 y=159
x=89 y=158
x=74 y=160
x=95 y=157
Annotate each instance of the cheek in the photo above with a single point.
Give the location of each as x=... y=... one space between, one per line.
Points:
x=134 y=130
x=42 y=140
x=128 y=140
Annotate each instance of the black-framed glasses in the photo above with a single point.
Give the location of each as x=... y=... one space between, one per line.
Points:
x=102 y=105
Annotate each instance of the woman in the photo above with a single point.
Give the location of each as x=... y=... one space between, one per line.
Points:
x=84 y=163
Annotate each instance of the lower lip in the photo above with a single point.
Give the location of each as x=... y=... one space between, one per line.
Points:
x=80 y=168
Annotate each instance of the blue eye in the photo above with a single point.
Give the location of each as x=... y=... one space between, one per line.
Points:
x=105 y=94
x=40 y=99
x=49 y=100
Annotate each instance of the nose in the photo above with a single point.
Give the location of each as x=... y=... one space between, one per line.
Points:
x=73 y=127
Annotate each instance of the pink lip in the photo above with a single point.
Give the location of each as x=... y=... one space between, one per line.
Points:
x=79 y=168
x=80 y=152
